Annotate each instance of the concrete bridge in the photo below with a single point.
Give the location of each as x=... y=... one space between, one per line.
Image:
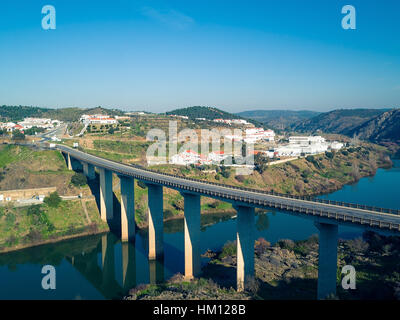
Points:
x=327 y=215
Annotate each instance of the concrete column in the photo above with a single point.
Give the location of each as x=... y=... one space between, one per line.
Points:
x=192 y=235
x=245 y=245
x=69 y=162
x=88 y=170
x=128 y=265
x=127 y=208
x=155 y=217
x=106 y=194
x=327 y=260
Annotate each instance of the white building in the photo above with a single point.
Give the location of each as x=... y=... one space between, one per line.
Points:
x=217 y=156
x=299 y=145
x=302 y=140
x=188 y=157
x=37 y=122
x=231 y=121
x=256 y=134
x=335 y=145
x=97 y=119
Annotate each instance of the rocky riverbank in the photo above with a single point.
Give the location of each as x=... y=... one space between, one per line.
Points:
x=289 y=270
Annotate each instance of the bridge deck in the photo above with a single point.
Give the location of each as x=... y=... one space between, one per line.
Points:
x=351 y=213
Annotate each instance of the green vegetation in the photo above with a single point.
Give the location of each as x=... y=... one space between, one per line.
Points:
x=18 y=113
x=229 y=249
x=203 y=112
x=18 y=135
x=133 y=148
x=25 y=226
x=32 y=131
x=53 y=200
x=78 y=179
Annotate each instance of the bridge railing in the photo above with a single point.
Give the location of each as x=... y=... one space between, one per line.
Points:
x=272 y=193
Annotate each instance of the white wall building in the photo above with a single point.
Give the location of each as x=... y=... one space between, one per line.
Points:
x=97 y=119
x=302 y=140
x=299 y=145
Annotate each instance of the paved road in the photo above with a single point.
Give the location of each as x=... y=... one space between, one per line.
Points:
x=340 y=214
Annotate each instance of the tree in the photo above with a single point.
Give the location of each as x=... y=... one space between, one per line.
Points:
x=329 y=155
x=78 y=179
x=53 y=200
x=260 y=163
x=226 y=173
x=18 y=135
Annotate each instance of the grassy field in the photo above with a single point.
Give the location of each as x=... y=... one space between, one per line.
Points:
x=24 y=168
x=26 y=226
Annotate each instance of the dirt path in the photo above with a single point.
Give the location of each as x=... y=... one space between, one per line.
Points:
x=85 y=210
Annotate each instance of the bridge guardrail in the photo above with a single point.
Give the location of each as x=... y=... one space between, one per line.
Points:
x=306 y=198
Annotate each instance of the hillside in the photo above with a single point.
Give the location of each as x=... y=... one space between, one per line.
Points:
x=17 y=113
x=24 y=168
x=342 y=121
x=278 y=119
x=24 y=226
x=384 y=127
x=209 y=113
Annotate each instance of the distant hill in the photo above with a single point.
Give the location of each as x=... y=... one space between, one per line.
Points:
x=384 y=127
x=342 y=121
x=209 y=113
x=17 y=113
x=278 y=119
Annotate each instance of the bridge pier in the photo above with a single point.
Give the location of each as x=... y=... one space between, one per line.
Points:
x=127 y=208
x=245 y=245
x=156 y=224
x=88 y=170
x=106 y=194
x=327 y=259
x=192 y=235
x=69 y=162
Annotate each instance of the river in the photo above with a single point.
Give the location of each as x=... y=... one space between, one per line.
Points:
x=82 y=273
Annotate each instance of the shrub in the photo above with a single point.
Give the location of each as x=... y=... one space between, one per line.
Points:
x=286 y=244
x=53 y=200
x=33 y=236
x=141 y=184
x=78 y=179
x=329 y=155
x=240 y=178
x=261 y=245
x=179 y=204
x=357 y=245
x=229 y=249
x=213 y=204
x=226 y=173
x=18 y=135
x=34 y=210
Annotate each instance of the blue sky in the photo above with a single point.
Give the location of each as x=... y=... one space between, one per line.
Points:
x=236 y=55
